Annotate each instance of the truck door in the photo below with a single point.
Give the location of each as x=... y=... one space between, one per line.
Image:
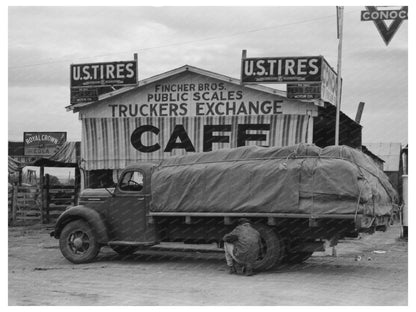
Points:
x=127 y=211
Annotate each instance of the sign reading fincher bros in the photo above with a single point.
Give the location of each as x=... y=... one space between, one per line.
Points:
x=196 y=99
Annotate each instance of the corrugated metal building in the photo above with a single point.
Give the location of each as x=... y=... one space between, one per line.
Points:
x=190 y=109
x=391 y=153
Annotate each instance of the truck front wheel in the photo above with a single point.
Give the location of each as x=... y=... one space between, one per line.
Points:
x=78 y=243
x=272 y=248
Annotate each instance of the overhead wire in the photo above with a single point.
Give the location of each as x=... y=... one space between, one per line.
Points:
x=180 y=43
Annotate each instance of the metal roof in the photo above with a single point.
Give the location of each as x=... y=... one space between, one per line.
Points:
x=389 y=152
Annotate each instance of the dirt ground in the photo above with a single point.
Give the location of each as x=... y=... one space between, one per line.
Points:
x=372 y=270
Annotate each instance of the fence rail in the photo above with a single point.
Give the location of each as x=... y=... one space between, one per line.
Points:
x=58 y=200
x=31 y=204
x=26 y=205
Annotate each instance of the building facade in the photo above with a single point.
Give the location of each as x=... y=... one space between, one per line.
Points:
x=189 y=110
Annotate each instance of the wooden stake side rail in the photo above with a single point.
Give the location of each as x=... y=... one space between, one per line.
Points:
x=251 y=214
x=313 y=220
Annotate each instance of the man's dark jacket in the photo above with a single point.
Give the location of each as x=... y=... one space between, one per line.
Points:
x=246 y=242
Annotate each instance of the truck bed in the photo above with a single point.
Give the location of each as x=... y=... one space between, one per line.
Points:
x=302 y=181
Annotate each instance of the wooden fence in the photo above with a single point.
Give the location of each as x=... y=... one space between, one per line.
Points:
x=58 y=199
x=10 y=204
x=31 y=204
x=26 y=205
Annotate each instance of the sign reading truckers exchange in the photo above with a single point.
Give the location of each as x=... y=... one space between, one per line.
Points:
x=308 y=71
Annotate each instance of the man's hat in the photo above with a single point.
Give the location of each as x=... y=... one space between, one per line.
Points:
x=243 y=220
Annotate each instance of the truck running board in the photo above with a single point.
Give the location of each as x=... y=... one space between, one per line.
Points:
x=131 y=244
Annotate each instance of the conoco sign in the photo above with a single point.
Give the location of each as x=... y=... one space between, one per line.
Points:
x=380 y=16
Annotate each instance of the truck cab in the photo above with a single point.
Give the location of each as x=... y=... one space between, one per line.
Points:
x=117 y=218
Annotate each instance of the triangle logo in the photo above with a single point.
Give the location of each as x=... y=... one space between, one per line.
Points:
x=378 y=17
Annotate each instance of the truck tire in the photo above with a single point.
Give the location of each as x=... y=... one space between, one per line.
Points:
x=272 y=250
x=297 y=257
x=124 y=250
x=78 y=242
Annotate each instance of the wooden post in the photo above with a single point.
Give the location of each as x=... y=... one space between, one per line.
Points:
x=359 y=112
x=46 y=194
x=137 y=67
x=340 y=20
x=41 y=190
x=20 y=176
x=271 y=221
x=243 y=57
x=77 y=186
x=41 y=175
x=14 y=204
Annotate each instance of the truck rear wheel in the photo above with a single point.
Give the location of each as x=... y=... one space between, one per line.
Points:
x=297 y=257
x=272 y=250
x=78 y=242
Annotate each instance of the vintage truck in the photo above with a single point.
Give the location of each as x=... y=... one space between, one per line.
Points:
x=298 y=197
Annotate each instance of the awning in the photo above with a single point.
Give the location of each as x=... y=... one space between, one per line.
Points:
x=14 y=165
x=67 y=156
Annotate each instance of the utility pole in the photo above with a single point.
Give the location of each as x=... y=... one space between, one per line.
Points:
x=340 y=22
x=137 y=67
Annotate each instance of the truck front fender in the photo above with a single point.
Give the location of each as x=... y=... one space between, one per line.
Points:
x=91 y=216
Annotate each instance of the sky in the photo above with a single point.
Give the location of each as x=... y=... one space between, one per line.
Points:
x=44 y=41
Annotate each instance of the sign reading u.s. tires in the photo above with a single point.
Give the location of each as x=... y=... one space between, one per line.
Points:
x=104 y=74
x=281 y=69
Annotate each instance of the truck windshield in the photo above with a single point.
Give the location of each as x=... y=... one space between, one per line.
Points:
x=132 y=181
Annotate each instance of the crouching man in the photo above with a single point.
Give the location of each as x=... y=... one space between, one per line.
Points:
x=242 y=247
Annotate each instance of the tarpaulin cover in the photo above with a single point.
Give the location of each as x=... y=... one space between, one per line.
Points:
x=296 y=179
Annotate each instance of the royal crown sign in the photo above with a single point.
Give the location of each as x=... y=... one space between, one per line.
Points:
x=42 y=144
x=380 y=16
